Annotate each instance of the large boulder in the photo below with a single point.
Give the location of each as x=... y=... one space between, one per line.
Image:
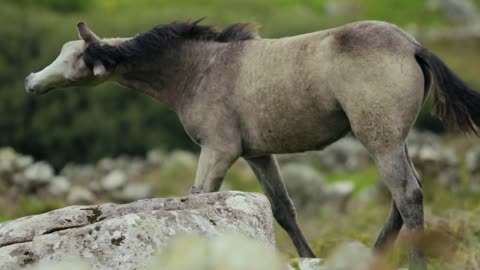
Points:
x=113 y=236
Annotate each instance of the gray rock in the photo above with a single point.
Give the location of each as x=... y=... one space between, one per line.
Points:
x=133 y=192
x=225 y=252
x=40 y=172
x=59 y=186
x=80 y=195
x=417 y=139
x=347 y=154
x=7 y=159
x=305 y=185
x=80 y=174
x=472 y=164
x=115 y=180
x=155 y=157
x=70 y=264
x=307 y=264
x=439 y=161
x=339 y=194
x=106 y=165
x=23 y=162
x=179 y=160
x=472 y=160
x=338 y=8
x=457 y=10
x=349 y=256
x=112 y=236
x=136 y=167
x=34 y=176
x=95 y=187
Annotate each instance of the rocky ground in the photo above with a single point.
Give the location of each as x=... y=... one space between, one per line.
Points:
x=337 y=192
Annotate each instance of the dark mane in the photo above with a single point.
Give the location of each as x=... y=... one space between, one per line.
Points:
x=162 y=37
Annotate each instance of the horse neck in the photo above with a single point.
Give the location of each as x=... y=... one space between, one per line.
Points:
x=172 y=76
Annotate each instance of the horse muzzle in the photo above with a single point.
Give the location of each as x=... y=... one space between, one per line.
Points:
x=32 y=88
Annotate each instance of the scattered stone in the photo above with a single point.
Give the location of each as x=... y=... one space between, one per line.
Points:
x=7 y=159
x=305 y=185
x=456 y=10
x=40 y=172
x=133 y=192
x=37 y=175
x=180 y=159
x=155 y=157
x=23 y=162
x=115 y=180
x=359 y=257
x=306 y=264
x=418 y=139
x=438 y=161
x=339 y=195
x=106 y=165
x=80 y=174
x=336 y=8
x=472 y=164
x=347 y=154
x=80 y=195
x=59 y=186
x=472 y=160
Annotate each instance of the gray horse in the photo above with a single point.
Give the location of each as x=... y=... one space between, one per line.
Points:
x=238 y=95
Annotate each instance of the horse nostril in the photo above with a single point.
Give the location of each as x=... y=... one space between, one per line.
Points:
x=28 y=87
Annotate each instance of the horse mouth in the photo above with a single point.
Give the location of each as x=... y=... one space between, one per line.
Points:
x=38 y=92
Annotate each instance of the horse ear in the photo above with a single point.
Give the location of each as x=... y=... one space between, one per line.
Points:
x=99 y=70
x=86 y=34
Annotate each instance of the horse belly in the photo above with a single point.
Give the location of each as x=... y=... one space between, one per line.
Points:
x=292 y=132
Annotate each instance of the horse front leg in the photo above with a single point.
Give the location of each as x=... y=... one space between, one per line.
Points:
x=213 y=164
x=267 y=172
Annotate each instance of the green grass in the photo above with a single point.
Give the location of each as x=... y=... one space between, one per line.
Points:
x=363 y=178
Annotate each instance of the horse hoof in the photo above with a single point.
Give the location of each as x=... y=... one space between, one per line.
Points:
x=195 y=191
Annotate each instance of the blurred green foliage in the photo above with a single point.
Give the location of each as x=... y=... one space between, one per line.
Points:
x=86 y=124
x=56 y=5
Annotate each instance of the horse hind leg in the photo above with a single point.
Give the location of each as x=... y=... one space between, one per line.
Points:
x=385 y=142
x=394 y=223
x=397 y=174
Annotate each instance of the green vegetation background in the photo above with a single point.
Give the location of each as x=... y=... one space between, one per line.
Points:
x=85 y=124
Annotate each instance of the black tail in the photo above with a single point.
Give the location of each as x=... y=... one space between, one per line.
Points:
x=455 y=103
